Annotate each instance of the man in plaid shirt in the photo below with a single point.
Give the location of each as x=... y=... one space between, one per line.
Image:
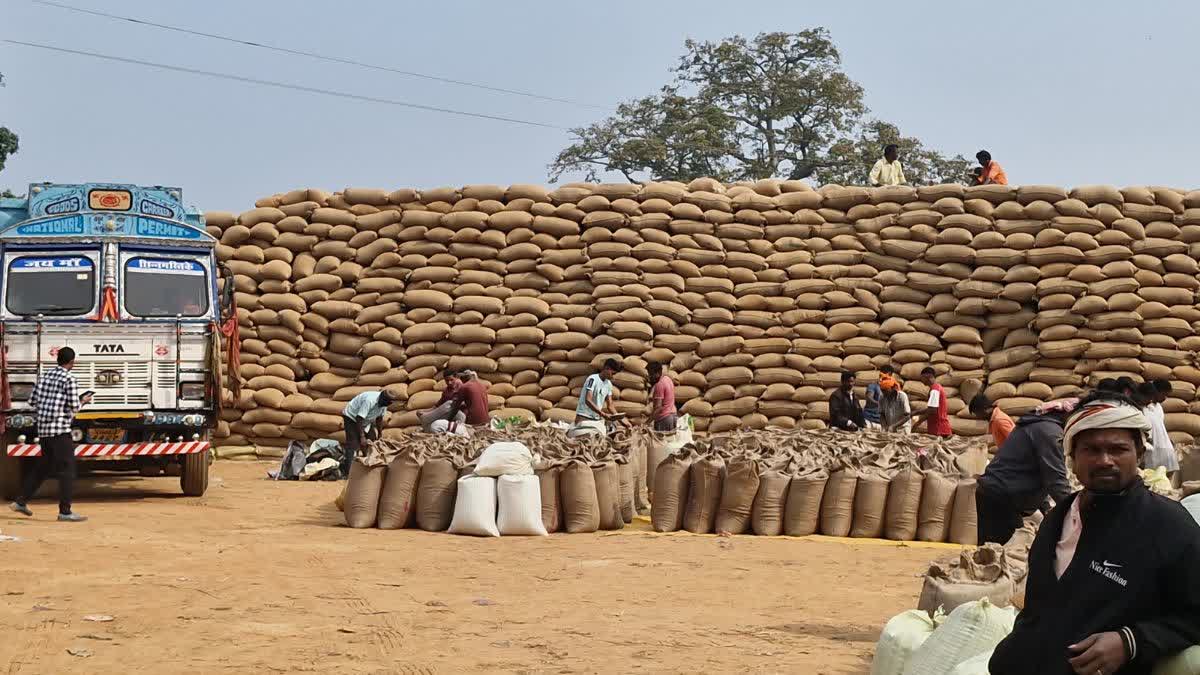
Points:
x=56 y=398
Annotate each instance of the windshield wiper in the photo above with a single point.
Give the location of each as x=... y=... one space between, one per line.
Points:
x=58 y=308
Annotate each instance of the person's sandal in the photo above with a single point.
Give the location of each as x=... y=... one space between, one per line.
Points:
x=71 y=518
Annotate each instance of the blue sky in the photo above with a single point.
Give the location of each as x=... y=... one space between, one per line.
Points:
x=1066 y=92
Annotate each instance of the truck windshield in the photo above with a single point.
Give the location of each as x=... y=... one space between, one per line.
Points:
x=165 y=287
x=51 y=285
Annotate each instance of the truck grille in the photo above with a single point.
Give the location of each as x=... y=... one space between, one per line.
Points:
x=132 y=380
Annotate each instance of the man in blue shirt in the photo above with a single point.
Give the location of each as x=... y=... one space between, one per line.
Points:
x=595 y=401
x=362 y=419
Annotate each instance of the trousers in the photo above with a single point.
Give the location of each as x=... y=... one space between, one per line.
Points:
x=997 y=517
x=58 y=457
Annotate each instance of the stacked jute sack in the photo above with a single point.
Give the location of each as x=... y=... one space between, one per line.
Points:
x=757 y=295
x=586 y=484
x=905 y=488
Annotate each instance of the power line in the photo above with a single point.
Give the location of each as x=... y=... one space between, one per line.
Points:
x=284 y=85
x=322 y=57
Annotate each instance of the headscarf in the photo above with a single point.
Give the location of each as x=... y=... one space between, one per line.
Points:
x=1105 y=414
x=888 y=383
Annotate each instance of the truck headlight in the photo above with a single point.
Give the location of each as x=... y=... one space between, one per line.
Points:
x=76 y=435
x=191 y=391
x=20 y=391
x=22 y=421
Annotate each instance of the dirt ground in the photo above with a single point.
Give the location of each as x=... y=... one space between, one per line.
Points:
x=258 y=576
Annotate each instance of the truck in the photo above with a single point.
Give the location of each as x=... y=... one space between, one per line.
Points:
x=126 y=276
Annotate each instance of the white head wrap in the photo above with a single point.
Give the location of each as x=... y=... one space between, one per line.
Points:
x=1105 y=415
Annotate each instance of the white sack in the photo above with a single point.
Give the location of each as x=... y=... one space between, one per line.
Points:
x=505 y=458
x=901 y=637
x=475 y=507
x=976 y=665
x=970 y=630
x=520 y=500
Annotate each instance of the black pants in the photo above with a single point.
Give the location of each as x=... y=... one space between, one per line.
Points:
x=354 y=438
x=997 y=517
x=58 y=456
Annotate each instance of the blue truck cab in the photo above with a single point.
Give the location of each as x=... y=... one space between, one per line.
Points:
x=126 y=276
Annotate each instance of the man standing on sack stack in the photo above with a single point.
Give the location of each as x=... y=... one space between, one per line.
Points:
x=887 y=171
x=1114 y=585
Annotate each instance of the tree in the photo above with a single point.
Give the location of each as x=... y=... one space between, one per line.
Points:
x=775 y=106
x=851 y=159
x=669 y=136
x=8 y=145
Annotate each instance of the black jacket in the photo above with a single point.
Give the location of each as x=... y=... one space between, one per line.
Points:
x=844 y=408
x=1030 y=464
x=1137 y=565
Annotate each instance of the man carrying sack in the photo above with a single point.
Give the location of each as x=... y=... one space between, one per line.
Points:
x=445 y=406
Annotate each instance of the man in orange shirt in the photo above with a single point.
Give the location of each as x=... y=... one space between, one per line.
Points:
x=1000 y=425
x=990 y=172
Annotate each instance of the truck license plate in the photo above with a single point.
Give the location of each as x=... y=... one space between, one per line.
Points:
x=103 y=435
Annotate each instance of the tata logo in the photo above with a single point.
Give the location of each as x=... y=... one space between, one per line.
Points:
x=109 y=349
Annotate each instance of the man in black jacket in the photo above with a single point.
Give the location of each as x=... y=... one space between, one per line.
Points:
x=845 y=412
x=1028 y=467
x=1114 y=584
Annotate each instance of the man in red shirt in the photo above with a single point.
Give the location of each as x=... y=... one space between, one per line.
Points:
x=936 y=415
x=445 y=404
x=452 y=385
x=472 y=399
x=662 y=399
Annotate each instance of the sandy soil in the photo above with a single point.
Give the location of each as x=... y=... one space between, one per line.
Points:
x=260 y=577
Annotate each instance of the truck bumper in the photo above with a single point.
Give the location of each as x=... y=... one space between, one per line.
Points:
x=90 y=450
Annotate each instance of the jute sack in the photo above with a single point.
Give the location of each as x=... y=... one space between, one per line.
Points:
x=641 y=500
x=704 y=495
x=625 y=473
x=802 y=515
x=870 y=504
x=436 y=492
x=964 y=523
x=363 y=489
x=903 y=505
x=767 y=512
x=577 y=494
x=669 y=505
x=608 y=495
x=548 y=484
x=977 y=573
x=837 y=504
x=937 y=505
x=738 y=492
x=399 y=494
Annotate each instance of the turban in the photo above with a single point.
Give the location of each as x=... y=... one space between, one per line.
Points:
x=887 y=382
x=1105 y=415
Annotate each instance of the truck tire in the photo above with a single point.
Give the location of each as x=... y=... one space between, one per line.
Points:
x=10 y=474
x=194 y=478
